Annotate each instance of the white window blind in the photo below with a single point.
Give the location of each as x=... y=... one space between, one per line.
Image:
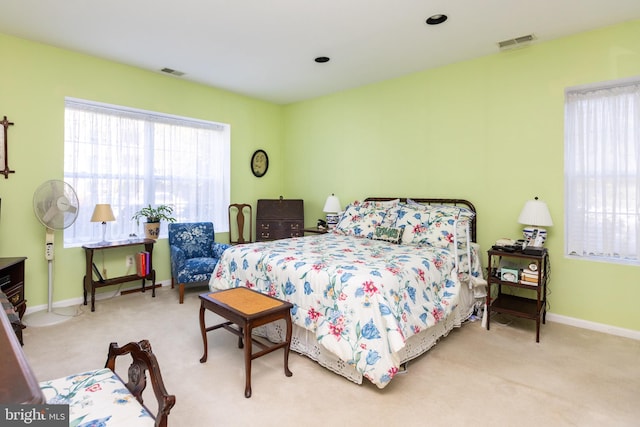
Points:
x=602 y=181
x=132 y=158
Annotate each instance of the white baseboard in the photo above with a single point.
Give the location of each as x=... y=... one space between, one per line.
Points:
x=599 y=327
x=80 y=300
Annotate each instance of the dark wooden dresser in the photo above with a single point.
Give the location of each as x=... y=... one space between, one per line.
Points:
x=12 y=288
x=279 y=219
x=12 y=282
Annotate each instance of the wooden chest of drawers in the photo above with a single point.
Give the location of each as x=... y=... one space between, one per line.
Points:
x=279 y=219
x=12 y=286
x=12 y=282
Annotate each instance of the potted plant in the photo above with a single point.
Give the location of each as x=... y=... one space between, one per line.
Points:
x=154 y=216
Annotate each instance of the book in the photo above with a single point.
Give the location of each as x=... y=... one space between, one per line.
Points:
x=138 y=265
x=142 y=263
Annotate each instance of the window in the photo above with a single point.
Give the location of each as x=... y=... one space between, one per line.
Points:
x=602 y=181
x=132 y=158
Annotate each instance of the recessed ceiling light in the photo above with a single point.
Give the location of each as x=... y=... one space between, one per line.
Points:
x=436 y=19
x=322 y=59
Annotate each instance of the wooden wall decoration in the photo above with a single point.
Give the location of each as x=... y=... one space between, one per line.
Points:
x=4 y=155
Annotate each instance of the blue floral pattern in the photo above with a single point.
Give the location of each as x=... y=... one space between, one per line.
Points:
x=440 y=226
x=96 y=398
x=361 y=219
x=362 y=298
x=193 y=251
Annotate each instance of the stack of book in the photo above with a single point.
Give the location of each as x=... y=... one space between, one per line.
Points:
x=529 y=277
x=142 y=263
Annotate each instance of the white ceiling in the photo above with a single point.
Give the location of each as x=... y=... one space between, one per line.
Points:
x=265 y=48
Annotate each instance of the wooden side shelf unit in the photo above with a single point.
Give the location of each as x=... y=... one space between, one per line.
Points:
x=516 y=305
x=90 y=284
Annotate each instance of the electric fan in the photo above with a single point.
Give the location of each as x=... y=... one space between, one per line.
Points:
x=55 y=204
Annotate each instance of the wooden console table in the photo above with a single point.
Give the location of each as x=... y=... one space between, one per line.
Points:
x=90 y=284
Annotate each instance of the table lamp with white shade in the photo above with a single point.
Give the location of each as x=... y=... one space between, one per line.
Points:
x=103 y=213
x=535 y=215
x=332 y=208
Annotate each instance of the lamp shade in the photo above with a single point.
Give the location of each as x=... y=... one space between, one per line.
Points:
x=332 y=205
x=535 y=212
x=102 y=213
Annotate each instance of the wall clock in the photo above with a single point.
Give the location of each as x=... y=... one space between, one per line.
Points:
x=259 y=163
x=4 y=157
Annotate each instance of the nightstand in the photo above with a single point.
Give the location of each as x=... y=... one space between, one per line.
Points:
x=525 y=280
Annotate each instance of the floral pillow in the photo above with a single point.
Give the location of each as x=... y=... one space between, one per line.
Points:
x=382 y=204
x=422 y=226
x=461 y=214
x=464 y=217
x=360 y=219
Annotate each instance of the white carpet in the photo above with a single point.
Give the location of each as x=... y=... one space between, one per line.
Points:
x=473 y=377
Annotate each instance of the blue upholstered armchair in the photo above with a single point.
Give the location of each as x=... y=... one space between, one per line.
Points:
x=193 y=252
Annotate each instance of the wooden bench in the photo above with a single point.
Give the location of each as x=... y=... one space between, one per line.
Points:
x=247 y=309
x=88 y=394
x=100 y=396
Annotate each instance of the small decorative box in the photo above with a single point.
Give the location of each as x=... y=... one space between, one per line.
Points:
x=509 y=274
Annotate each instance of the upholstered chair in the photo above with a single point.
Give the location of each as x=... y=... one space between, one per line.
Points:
x=194 y=253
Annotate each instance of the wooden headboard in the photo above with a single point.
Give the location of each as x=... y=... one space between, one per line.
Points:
x=451 y=202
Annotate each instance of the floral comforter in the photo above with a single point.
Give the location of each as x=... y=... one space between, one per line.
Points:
x=362 y=298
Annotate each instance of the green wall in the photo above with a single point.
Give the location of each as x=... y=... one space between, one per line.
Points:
x=488 y=130
x=497 y=121
x=35 y=79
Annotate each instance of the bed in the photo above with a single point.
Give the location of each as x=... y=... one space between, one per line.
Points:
x=392 y=278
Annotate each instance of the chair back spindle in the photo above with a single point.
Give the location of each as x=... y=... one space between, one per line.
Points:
x=238 y=211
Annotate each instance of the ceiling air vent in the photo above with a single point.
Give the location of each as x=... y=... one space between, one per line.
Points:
x=172 y=72
x=517 y=42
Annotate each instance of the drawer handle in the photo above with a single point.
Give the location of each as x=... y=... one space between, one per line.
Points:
x=265 y=235
x=265 y=226
x=15 y=299
x=295 y=226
